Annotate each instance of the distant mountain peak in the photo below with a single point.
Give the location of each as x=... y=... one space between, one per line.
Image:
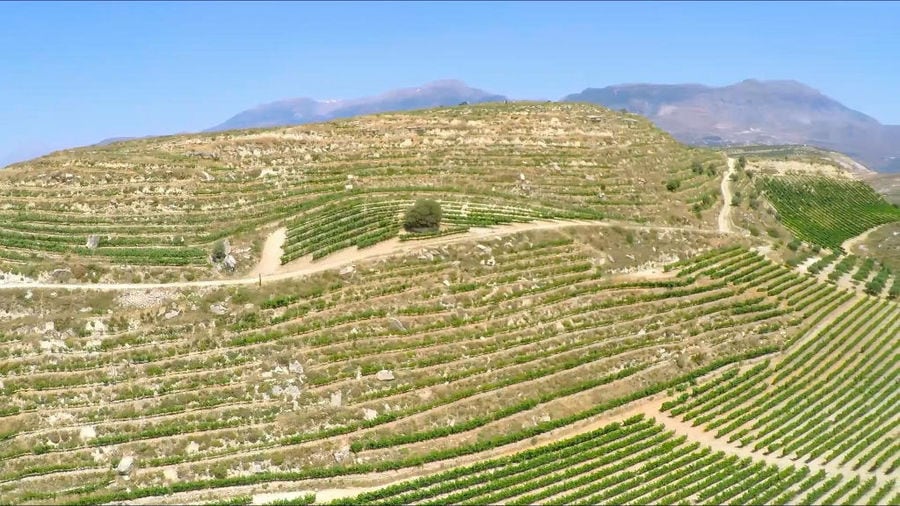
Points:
x=445 y=83
x=778 y=86
x=755 y=111
x=444 y=92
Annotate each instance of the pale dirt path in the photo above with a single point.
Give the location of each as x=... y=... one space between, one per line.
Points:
x=854 y=241
x=725 y=225
x=305 y=266
x=270 y=259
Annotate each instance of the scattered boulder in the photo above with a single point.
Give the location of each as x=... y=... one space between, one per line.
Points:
x=292 y=391
x=342 y=454
x=397 y=324
x=369 y=414
x=346 y=270
x=87 y=433
x=295 y=367
x=61 y=274
x=219 y=308
x=483 y=248
x=336 y=399
x=384 y=375
x=53 y=345
x=125 y=465
x=171 y=314
x=95 y=327
x=192 y=448
x=93 y=241
x=171 y=475
x=230 y=262
x=490 y=262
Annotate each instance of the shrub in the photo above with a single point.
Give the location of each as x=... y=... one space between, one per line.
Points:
x=218 y=251
x=424 y=215
x=673 y=185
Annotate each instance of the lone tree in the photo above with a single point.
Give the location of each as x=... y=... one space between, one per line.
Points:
x=423 y=216
x=219 y=251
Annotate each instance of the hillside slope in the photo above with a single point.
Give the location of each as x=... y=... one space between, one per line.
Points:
x=155 y=207
x=658 y=349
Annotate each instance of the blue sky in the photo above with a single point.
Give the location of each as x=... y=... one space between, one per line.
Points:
x=75 y=73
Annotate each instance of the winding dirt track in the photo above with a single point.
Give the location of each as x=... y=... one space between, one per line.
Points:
x=859 y=239
x=725 y=225
x=269 y=270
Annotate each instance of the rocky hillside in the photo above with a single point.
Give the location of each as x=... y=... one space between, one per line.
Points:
x=136 y=210
x=756 y=112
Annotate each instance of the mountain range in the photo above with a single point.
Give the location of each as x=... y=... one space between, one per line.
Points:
x=748 y=112
x=306 y=110
x=756 y=112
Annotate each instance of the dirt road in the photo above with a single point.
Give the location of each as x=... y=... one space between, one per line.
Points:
x=861 y=238
x=725 y=225
x=270 y=259
x=268 y=270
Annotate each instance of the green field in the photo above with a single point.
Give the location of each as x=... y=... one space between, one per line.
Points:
x=827 y=211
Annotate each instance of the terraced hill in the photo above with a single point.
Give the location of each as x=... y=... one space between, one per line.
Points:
x=165 y=201
x=629 y=340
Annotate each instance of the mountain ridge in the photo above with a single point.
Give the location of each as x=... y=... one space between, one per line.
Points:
x=296 y=111
x=749 y=112
x=755 y=112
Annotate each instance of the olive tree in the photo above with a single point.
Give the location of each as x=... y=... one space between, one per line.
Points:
x=423 y=216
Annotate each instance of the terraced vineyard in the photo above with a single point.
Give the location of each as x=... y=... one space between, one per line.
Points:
x=636 y=461
x=827 y=211
x=368 y=221
x=820 y=425
x=545 y=334
x=153 y=204
x=831 y=399
x=644 y=354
